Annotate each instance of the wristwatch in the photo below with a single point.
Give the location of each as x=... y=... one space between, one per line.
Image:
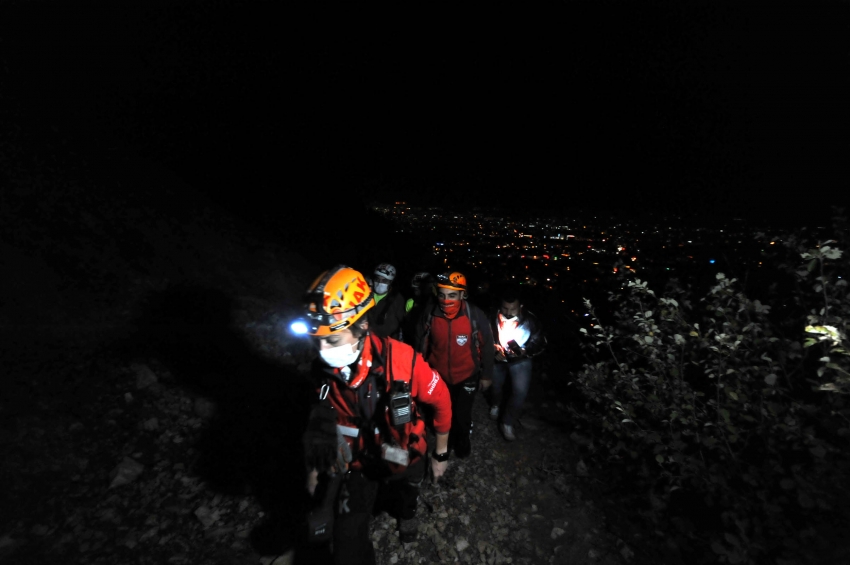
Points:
x=440 y=457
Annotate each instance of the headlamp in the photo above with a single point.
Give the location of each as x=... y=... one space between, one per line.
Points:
x=312 y=321
x=299 y=327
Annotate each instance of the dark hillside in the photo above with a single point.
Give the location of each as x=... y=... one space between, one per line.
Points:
x=153 y=402
x=172 y=176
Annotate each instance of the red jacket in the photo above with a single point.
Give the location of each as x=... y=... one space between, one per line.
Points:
x=358 y=408
x=451 y=347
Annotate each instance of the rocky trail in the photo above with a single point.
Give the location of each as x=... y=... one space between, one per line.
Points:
x=145 y=455
x=517 y=502
x=152 y=402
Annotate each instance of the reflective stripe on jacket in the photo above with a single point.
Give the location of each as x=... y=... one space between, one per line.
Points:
x=363 y=413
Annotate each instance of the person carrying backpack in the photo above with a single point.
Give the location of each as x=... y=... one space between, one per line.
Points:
x=366 y=434
x=454 y=336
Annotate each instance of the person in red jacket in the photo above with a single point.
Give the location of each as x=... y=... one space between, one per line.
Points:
x=367 y=425
x=455 y=338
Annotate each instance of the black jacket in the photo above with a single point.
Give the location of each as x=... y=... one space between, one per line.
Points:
x=536 y=341
x=411 y=318
x=386 y=316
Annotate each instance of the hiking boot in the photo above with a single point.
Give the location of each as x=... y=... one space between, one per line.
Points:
x=408 y=529
x=508 y=432
x=494 y=413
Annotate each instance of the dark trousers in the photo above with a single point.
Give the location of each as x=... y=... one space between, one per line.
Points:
x=520 y=373
x=360 y=497
x=462 y=395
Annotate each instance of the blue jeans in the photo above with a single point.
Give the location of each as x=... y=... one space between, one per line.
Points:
x=520 y=372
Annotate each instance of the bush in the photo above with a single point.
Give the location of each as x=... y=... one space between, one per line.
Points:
x=709 y=401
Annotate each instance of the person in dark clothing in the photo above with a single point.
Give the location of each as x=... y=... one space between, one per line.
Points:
x=422 y=296
x=483 y=296
x=455 y=338
x=386 y=317
x=519 y=337
x=359 y=436
x=420 y=289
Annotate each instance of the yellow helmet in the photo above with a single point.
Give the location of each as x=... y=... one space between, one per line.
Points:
x=336 y=299
x=454 y=281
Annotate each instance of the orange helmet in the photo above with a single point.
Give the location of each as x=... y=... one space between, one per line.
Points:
x=336 y=299
x=453 y=281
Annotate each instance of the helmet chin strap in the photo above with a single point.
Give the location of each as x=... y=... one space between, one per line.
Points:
x=359 y=348
x=346 y=370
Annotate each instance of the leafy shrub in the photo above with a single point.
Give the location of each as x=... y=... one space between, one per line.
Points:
x=709 y=401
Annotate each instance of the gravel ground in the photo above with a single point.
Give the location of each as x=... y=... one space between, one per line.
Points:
x=166 y=452
x=152 y=404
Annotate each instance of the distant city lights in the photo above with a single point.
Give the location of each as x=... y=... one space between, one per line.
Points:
x=494 y=243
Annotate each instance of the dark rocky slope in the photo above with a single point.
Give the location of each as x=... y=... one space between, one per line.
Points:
x=153 y=402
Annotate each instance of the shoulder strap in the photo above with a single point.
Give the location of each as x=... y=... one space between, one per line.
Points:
x=412 y=364
x=389 y=346
x=474 y=342
x=426 y=335
x=384 y=358
x=387 y=359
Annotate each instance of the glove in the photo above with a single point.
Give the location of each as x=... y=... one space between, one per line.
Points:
x=321 y=439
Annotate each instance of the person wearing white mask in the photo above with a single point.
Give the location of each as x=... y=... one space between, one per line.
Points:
x=366 y=424
x=386 y=317
x=518 y=338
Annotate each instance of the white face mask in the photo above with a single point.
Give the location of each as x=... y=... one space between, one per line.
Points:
x=341 y=355
x=381 y=288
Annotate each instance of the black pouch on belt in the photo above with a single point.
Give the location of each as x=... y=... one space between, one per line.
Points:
x=320 y=520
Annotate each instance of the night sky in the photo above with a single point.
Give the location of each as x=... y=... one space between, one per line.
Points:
x=685 y=107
